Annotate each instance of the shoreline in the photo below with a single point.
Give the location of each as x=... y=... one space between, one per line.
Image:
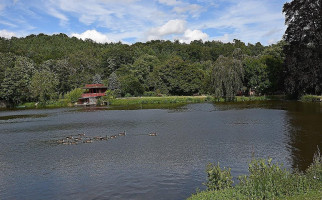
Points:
x=166 y=100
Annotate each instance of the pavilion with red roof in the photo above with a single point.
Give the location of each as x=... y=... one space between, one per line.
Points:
x=93 y=92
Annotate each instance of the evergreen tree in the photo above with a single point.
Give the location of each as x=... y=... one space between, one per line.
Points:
x=97 y=79
x=113 y=82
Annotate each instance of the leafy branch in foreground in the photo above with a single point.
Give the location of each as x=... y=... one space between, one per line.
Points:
x=265 y=180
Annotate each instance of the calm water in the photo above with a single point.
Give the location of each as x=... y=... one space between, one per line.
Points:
x=137 y=166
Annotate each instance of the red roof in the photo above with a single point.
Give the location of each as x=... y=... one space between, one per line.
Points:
x=88 y=86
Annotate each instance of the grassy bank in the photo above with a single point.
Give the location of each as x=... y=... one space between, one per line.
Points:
x=159 y=100
x=311 y=98
x=180 y=100
x=148 y=101
x=265 y=181
x=61 y=103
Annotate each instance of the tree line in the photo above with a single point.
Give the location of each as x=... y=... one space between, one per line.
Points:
x=42 y=67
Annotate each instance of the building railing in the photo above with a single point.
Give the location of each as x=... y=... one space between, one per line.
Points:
x=85 y=95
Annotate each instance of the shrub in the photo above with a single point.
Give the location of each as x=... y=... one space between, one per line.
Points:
x=74 y=95
x=265 y=181
x=127 y=95
x=310 y=98
x=218 y=178
x=149 y=94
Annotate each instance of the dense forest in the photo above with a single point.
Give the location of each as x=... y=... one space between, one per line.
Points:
x=42 y=67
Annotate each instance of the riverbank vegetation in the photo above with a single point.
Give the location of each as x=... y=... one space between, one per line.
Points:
x=311 y=98
x=265 y=180
x=147 y=100
x=44 y=68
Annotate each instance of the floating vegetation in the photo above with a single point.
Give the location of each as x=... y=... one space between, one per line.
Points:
x=82 y=138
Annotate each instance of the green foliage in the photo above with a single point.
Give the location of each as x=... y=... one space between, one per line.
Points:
x=315 y=169
x=131 y=85
x=226 y=77
x=109 y=96
x=113 y=82
x=265 y=180
x=178 y=77
x=74 y=95
x=256 y=74
x=15 y=84
x=149 y=94
x=218 y=179
x=43 y=86
x=303 y=36
x=97 y=79
x=310 y=98
x=169 y=67
x=157 y=100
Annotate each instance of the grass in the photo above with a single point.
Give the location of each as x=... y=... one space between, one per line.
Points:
x=265 y=180
x=51 y=104
x=158 y=100
x=233 y=194
x=179 y=100
x=147 y=100
x=311 y=98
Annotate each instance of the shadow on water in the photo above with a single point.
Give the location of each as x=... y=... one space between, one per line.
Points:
x=9 y=117
x=170 y=106
x=305 y=132
x=303 y=126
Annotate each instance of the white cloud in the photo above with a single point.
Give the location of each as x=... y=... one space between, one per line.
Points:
x=249 y=20
x=170 y=2
x=191 y=35
x=141 y=20
x=224 y=38
x=191 y=8
x=181 y=7
x=7 y=34
x=93 y=35
x=176 y=26
x=63 y=19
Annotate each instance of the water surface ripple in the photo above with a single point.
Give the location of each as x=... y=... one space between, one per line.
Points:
x=137 y=166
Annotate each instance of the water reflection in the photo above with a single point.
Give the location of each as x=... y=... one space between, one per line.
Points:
x=137 y=166
x=305 y=132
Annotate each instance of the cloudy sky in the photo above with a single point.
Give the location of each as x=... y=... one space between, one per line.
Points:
x=132 y=21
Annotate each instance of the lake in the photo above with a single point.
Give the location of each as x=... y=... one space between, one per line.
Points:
x=171 y=165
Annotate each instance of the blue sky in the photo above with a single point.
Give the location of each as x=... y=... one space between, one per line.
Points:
x=132 y=21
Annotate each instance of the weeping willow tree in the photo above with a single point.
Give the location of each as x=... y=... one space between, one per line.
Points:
x=227 y=77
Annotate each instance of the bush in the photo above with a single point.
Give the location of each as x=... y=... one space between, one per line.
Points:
x=218 y=178
x=149 y=94
x=74 y=95
x=310 y=98
x=265 y=181
x=127 y=95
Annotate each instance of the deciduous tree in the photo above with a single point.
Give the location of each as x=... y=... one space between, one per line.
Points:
x=303 y=36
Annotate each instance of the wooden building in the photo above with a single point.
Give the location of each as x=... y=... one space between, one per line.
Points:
x=92 y=93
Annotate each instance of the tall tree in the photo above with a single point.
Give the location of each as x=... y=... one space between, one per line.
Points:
x=256 y=74
x=227 y=77
x=179 y=77
x=15 y=85
x=113 y=82
x=303 y=35
x=43 y=86
x=97 y=79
